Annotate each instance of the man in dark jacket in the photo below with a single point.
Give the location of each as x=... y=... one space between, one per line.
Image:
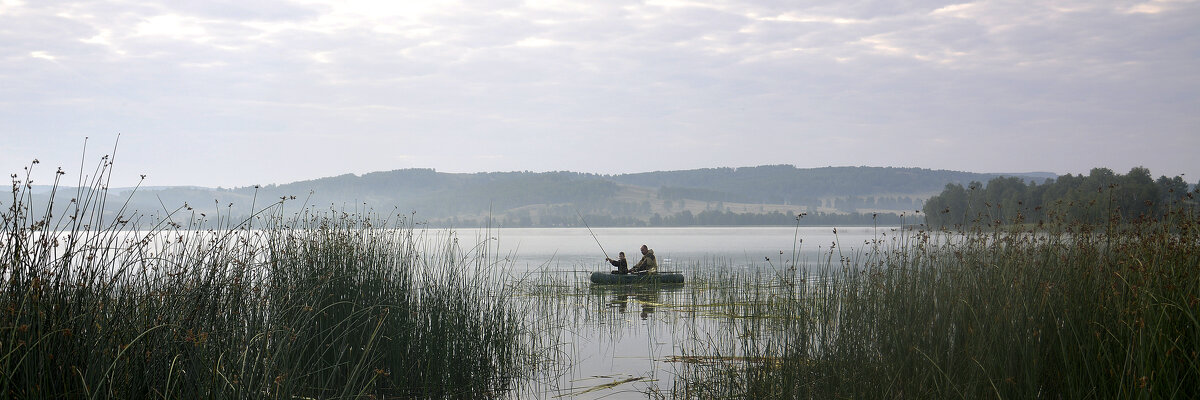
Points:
x=620 y=263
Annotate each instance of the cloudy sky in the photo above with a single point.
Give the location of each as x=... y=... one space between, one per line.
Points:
x=234 y=93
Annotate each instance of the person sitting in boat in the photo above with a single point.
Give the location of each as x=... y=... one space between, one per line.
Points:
x=648 y=264
x=621 y=264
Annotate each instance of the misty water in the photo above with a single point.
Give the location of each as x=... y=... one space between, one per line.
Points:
x=617 y=333
x=575 y=249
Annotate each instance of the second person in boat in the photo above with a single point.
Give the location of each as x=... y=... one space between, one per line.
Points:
x=648 y=264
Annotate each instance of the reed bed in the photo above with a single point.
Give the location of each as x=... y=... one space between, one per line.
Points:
x=317 y=305
x=1072 y=311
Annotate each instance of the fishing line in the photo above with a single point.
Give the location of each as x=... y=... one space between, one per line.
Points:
x=585 y=224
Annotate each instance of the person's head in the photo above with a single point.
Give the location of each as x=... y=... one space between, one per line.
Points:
x=621 y=255
x=645 y=249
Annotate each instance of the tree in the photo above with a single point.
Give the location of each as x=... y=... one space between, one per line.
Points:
x=1101 y=197
x=1172 y=189
x=948 y=208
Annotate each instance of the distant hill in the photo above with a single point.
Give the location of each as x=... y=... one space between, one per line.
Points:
x=785 y=183
x=767 y=193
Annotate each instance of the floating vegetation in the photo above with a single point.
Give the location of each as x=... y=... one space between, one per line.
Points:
x=724 y=360
x=603 y=386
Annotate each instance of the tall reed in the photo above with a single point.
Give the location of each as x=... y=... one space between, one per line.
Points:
x=191 y=305
x=1076 y=311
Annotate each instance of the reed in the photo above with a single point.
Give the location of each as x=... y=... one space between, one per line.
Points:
x=316 y=305
x=1076 y=311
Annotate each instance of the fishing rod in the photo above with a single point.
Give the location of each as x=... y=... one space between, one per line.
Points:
x=585 y=224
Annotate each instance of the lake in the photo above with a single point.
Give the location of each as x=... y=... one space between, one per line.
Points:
x=619 y=342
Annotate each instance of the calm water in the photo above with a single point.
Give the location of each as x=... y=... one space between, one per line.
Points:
x=614 y=334
x=576 y=249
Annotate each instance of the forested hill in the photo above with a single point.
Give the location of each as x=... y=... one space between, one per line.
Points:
x=786 y=183
x=729 y=196
x=438 y=195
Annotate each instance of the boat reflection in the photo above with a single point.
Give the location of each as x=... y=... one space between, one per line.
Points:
x=643 y=299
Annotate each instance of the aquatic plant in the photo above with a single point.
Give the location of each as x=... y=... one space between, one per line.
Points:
x=1077 y=311
x=320 y=304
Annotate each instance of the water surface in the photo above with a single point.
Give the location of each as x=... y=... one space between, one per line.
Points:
x=632 y=337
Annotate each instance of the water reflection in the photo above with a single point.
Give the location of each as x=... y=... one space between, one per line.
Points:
x=628 y=341
x=640 y=299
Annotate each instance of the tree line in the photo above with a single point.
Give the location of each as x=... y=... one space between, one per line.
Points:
x=1097 y=198
x=777 y=184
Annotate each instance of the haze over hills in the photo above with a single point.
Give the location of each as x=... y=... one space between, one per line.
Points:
x=769 y=195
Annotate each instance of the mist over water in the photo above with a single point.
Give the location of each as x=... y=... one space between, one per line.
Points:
x=575 y=248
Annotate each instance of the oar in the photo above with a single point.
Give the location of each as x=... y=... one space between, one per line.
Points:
x=585 y=224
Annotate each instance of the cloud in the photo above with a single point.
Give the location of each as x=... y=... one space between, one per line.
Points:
x=549 y=84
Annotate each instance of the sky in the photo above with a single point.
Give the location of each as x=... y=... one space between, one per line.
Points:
x=235 y=93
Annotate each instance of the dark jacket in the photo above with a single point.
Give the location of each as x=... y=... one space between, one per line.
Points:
x=622 y=266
